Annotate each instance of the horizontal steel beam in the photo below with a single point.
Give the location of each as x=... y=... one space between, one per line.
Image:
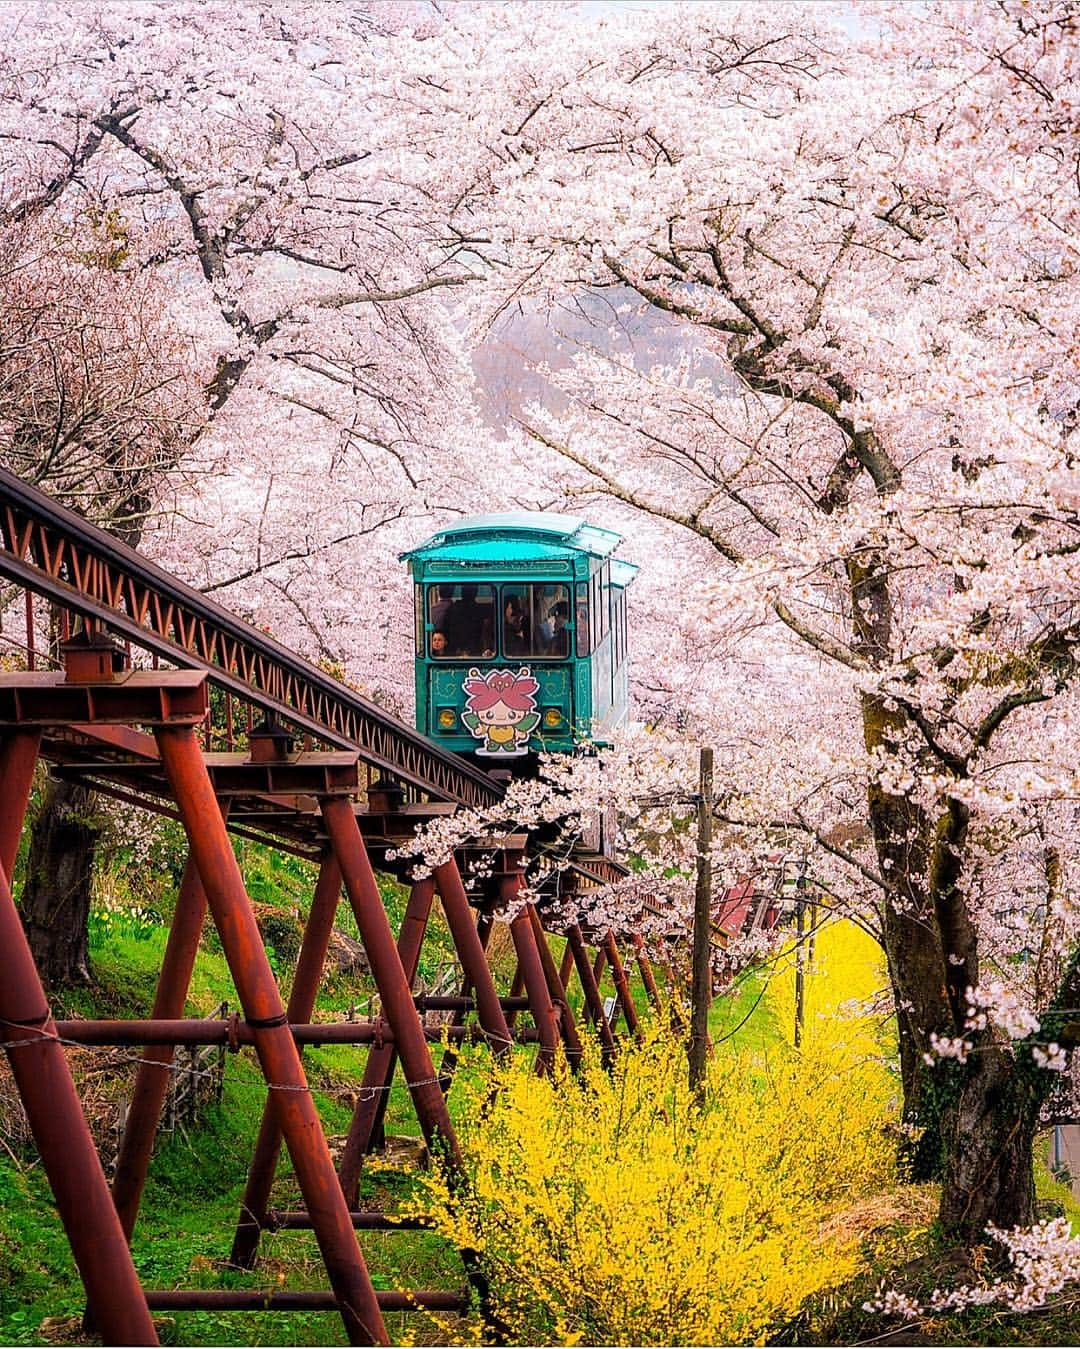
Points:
x=307 y=775
x=454 y=1002
x=299 y=1220
x=235 y=1033
x=140 y=697
x=256 y=1300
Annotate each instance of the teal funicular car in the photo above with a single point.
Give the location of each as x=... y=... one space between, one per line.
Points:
x=520 y=635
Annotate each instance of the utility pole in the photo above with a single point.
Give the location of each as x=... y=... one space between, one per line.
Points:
x=800 y=953
x=701 y=968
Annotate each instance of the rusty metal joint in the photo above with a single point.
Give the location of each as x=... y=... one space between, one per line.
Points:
x=268 y=1022
x=234 y=1032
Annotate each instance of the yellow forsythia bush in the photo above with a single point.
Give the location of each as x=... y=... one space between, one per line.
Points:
x=844 y=978
x=616 y=1209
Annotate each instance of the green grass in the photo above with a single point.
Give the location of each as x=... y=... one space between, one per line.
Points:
x=39 y=1276
x=742 y=1019
x=1051 y=1193
x=194 y=1189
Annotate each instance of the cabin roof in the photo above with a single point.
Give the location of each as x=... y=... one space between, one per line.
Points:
x=622 y=573
x=515 y=535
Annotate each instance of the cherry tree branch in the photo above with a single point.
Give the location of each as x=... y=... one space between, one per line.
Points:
x=299 y=554
x=820 y=641
x=54 y=189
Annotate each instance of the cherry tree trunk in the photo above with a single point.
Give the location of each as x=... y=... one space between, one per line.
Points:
x=55 y=900
x=972 y=1123
x=913 y=952
x=988 y=1135
x=916 y=963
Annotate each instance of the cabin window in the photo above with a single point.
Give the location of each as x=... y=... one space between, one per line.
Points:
x=461 y=622
x=535 y=621
x=618 y=626
x=581 y=621
x=418 y=607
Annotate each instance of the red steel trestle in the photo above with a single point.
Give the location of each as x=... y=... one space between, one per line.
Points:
x=100 y=1225
x=152 y=1079
x=309 y=967
x=382 y=1059
x=274 y=1045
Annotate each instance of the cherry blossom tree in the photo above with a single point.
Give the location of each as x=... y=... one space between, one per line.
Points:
x=875 y=240
x=257 y=179
x=854 y=445
x=99 y=399
x=218 y=308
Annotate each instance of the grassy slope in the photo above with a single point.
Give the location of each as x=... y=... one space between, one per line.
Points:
x=196 y=1181
x=194 y=1190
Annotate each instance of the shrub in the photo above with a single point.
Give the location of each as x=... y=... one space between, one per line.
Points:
x=617 y=1209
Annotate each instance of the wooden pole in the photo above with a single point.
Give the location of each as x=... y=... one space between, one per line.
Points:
x=800 y=952
x=701 y=979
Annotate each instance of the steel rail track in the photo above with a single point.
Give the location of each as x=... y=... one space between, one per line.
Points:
x=54 y=552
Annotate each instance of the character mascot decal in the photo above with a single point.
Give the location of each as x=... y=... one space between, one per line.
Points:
x=500 y=710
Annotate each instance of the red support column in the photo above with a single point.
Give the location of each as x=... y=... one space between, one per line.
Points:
x=566 y=968
x=18 y=757
x=570 y=1037
x=517 y=987
x=382 y=1059
x=414 y=926
x=447 y=1067
x=473 y=958
x=622 y=985
x=274 y=1044
x=396 y=994
x=60 y=1131
x=305 y=989
x=152 y=1079
x=646 y=971
x=394 y=987
x=536 y=984
x=593 y=1001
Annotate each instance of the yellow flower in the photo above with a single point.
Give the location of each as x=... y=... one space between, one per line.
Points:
x=617 y=1209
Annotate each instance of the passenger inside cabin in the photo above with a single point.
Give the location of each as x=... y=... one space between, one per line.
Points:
x=554 y=631
x=515 y=628
x=468 y=625
x=440 y=603
x=439 y=645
